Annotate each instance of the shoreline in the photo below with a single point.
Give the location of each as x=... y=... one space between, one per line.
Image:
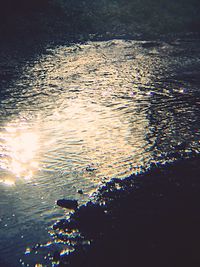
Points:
x=152 y=218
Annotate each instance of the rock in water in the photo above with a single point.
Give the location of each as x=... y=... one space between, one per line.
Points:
x=68 y=203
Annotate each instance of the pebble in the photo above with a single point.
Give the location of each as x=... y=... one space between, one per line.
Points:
x=80 y=191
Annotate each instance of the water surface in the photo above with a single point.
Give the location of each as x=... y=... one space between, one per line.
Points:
x=84 y=113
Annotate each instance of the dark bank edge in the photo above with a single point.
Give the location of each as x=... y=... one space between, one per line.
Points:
x=149 y=219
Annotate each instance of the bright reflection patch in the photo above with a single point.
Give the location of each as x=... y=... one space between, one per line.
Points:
x=18 y=149
x=89 y=113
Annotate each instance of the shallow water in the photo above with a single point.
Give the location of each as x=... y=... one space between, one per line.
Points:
x=84 y=113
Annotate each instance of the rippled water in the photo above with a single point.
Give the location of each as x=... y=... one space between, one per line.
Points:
x=82 y=113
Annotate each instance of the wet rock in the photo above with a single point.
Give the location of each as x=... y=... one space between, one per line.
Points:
x=133 y=218
x=65 y=224
x=56 y=256
x=62 y=224
x=90 y=169
x=181 y=146
x=74 y=259
x=68 y=203
x=80 y=191
x=91 y=219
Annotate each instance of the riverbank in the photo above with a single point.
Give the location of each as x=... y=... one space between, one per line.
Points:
x=150 y=219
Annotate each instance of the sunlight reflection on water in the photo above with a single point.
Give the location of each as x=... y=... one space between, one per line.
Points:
x=93 y=107
x=82 y=110
x=19 y=147
x=83 y=113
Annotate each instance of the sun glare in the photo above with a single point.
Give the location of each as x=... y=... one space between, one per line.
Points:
x=19 y=148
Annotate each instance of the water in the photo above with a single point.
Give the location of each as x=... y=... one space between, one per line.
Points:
x=83 y=113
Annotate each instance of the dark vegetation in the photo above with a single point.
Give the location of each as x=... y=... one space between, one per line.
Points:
x=50 y=18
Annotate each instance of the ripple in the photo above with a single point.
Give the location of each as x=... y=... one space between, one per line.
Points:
x=80 y=114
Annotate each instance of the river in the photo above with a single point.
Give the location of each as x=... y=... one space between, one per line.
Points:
x=81 y=114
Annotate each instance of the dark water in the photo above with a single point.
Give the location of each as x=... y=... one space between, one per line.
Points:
x=81 y=113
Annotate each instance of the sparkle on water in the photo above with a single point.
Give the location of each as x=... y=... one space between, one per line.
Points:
x=19 y=149
x=83 y=113
x=78 y=116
